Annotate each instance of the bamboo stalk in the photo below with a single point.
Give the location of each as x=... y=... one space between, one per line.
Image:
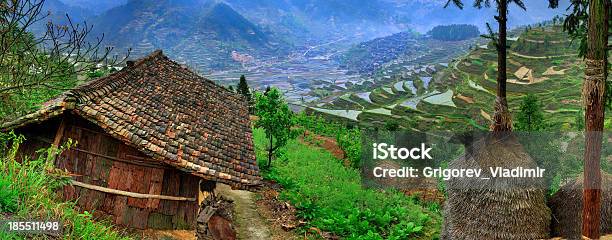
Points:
x=130 y=194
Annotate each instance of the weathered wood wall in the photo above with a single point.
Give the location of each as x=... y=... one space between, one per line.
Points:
x=101 y=160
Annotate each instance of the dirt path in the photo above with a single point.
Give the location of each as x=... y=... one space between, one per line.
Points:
x=249 y=223
x=324 y=142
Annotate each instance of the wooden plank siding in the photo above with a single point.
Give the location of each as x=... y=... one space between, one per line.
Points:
x=101 y=160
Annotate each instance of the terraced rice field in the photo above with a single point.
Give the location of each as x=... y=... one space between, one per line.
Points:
x=461 y=95
x=445 y=98
x=399 y=86
x=350 y=114
x=383 y=111
x=410 y=85
x=365 y=96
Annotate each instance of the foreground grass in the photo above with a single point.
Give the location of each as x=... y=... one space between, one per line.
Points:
x=330 y=197
x=27 y=191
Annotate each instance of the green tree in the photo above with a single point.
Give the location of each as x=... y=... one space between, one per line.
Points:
x=454 y=32
x=392 y=125
x=531 y=116
x=276 y=119
x=243 y=88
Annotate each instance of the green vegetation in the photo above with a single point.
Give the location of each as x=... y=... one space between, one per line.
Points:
x=329 y=197
x=555 y=81
x=243 y=88
x=579 y=124
x=530 y=117
x=391 y=125
x=276 y=119
x=454 y=32
x=27 y=191
x=349 y=139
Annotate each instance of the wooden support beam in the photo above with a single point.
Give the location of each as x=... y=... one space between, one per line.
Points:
x=130 y=194
x=59 y=134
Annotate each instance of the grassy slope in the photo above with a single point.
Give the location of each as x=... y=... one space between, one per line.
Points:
x=330 y=197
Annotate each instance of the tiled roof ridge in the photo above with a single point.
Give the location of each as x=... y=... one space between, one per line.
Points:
x=234 y=95
x=104 y=85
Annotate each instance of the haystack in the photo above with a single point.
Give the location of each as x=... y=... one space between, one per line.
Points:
x=497 y=208
x=566 y=206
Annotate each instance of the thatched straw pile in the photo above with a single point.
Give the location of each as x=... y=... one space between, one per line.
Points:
x=499 y=208
x=566 y=206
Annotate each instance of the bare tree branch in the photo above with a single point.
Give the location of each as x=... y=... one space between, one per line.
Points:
x=47 y=59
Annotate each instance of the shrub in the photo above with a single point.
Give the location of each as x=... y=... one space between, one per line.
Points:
x=9 y=197
x=348 y=139
x=531 y=116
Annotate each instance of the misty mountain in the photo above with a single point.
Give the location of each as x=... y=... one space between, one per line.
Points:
x=192 y=30
x=56 y=12
x=342 y=10
x=368 y=19
x=319 y=19
x=96 y=7
x=338 y=10
x=217 y=32
x=229 y=25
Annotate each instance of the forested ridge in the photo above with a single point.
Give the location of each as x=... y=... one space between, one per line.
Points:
x=454 y=32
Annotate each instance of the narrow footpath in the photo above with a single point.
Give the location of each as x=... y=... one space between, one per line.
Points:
x=249 y=224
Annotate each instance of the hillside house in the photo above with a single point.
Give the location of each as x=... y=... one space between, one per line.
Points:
x=524 y=74
x=149 y=137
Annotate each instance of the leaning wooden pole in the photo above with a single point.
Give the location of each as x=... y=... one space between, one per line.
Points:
x=593 y=95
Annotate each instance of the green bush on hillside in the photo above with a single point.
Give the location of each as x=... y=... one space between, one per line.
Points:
x=530 y=116
x=348 y=139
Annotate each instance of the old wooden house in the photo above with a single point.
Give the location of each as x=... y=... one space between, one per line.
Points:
x=147 y=137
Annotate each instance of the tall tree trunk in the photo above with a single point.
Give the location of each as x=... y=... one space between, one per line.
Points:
x=502 y=120
x=593 y=95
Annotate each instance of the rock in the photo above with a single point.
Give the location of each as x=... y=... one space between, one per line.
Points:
x=221 y=229
x=215 y=219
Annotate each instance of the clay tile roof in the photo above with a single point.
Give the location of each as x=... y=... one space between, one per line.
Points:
x=169 y=113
